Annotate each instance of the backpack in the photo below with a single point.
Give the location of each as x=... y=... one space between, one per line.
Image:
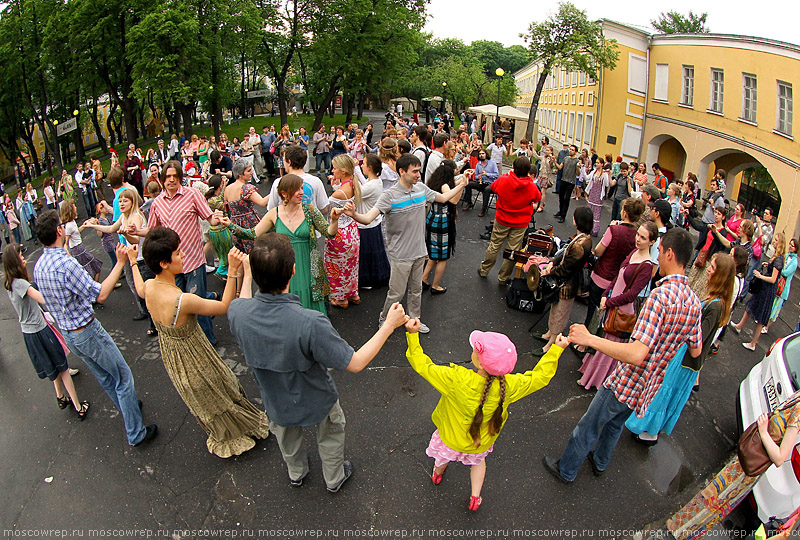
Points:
x=424 y=161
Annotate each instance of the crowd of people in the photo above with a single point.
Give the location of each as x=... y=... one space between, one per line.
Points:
x=657 y=305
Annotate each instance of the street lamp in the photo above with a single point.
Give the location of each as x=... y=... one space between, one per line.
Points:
x=444 y=98
x=76 y=112
x=499 y=72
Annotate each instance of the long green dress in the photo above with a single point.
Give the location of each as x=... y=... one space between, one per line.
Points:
x=301 y=281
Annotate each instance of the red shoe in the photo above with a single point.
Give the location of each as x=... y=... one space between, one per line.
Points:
x=437 y=477
x=475 y=503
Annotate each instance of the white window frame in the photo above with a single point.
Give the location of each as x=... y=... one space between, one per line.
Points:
x=749 y=98
x=574 y=78
x=571 y=126
x=687 y=86
x=590 y=99
x=582 y=78
x=587 y=128
x=784 y=109
x=716 y=97
x=558 y=122
x=572 y=98
x=580 y=98
x=564 y=126
x=578 y=128
x=661 y=87
x=637 y=74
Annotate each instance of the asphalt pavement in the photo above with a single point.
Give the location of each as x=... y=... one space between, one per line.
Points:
x=82 y=477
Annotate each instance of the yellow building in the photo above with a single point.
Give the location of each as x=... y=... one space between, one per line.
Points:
x=693 y=103
x=606 y=114
x=725 y=102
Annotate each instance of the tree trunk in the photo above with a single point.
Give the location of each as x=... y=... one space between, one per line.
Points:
x=96 y=123
x=347 y=105
x=332 y=88
x=27 y=136
x=77 y=140
x=535 y=104
x=128 y=107
x=282 y=100
x=242 y=107
x=140 y=117
x=186 y=114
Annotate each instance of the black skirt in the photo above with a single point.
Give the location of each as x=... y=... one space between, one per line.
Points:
x=373 y=264
x=47 y=355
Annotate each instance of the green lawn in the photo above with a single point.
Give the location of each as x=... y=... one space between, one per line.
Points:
x=234 y=129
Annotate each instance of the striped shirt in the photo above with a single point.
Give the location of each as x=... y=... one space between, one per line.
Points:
x=405 y=220
x=67 y=288
x=669 y=318
x=180 y=213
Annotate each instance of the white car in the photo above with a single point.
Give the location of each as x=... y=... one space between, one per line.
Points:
x=770 y=383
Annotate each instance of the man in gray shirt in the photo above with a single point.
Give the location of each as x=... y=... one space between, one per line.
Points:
x=292 y=374
x=569 y=171
x=403 y=207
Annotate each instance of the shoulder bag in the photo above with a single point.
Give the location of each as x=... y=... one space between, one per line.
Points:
x=618 y=323
x=752 y=454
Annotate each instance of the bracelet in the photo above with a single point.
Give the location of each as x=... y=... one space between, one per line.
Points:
x=134 y=264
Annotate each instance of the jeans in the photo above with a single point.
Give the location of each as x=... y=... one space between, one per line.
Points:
x=616 y=210
x=599 y=429
x=269 y=163
x=195 y=282
x=140 y=304
x=113 y=256
x=88 y=201
x=595 y=294
x=16 y=233
x=99 y=352
x=323 y=162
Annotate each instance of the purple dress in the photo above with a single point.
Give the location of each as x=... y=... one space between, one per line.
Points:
x=596 y=367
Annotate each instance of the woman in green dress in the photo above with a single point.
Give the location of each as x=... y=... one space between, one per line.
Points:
x=211 y=391
x=300 y=222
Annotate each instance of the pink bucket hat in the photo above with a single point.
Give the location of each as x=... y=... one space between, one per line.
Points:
x=496 y=352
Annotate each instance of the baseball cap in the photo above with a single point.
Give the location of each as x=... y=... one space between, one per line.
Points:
x=496 y=352
x=663 y=208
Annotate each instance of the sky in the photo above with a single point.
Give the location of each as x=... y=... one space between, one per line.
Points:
x=504 y=20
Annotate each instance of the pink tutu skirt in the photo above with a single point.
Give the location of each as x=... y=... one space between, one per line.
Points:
x=443 y=454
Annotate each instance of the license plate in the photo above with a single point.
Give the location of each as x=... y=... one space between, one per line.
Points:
x=771 y=395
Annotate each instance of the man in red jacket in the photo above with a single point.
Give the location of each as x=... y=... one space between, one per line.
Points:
x=517 y=199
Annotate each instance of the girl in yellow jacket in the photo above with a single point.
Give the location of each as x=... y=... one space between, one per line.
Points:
x=473 y=409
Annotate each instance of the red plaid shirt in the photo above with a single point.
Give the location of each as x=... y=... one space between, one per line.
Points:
x=669 y=318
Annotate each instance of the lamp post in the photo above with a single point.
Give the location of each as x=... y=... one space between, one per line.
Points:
x=444 y=98
x=499 y=72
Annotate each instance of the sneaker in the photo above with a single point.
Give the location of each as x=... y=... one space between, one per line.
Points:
x=423 y=328
x=117 y=285
x=73 y=372
x=210 y=269
x=297 y=483
x=348 y=472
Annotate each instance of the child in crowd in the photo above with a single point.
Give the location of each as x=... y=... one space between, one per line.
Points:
x=47 y=353
x=108 y=240
x=74 y=242
x=153 y=190
x=472 y=410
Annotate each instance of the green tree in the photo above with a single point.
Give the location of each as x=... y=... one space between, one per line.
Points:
x=567 y=39
x=493 y=55
x=673 y=22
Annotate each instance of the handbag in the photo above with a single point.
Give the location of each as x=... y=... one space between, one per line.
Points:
x=753 y=456
x=781 y=285
x=618 y=323
x=755 y=286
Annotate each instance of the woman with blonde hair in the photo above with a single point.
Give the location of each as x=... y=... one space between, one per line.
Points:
x=342 y=251
x=759 y=307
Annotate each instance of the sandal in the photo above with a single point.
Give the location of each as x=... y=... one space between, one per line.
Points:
x=339 y=303
x=152 y=332
x=63 y=402
x=83 y=411
x=475 y=502
x=355 y=300
x=437 y=477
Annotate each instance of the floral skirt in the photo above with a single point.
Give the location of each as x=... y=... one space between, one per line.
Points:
x=90 y=263
x=341 y=262
x=443 y=454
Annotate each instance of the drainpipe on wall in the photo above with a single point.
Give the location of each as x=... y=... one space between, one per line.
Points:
x=646 y=94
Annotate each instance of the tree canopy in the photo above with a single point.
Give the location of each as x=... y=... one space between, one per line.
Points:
x=569 y=40
x=672 y=22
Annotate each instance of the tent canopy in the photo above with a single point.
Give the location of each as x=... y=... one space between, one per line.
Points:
x=505 y=111
x=409 y=103
x=434 y=98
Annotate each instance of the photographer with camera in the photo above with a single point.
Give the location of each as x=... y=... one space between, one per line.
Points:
x=715 y=199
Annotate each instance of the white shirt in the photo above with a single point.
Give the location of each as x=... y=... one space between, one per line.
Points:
x=370 y=191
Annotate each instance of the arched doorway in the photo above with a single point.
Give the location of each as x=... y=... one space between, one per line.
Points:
x=669 y=153
x=747 y=180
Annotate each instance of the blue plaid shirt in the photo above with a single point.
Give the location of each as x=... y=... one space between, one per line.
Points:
x=67 y=288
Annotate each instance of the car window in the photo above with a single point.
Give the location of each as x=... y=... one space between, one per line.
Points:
x=791 y=355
